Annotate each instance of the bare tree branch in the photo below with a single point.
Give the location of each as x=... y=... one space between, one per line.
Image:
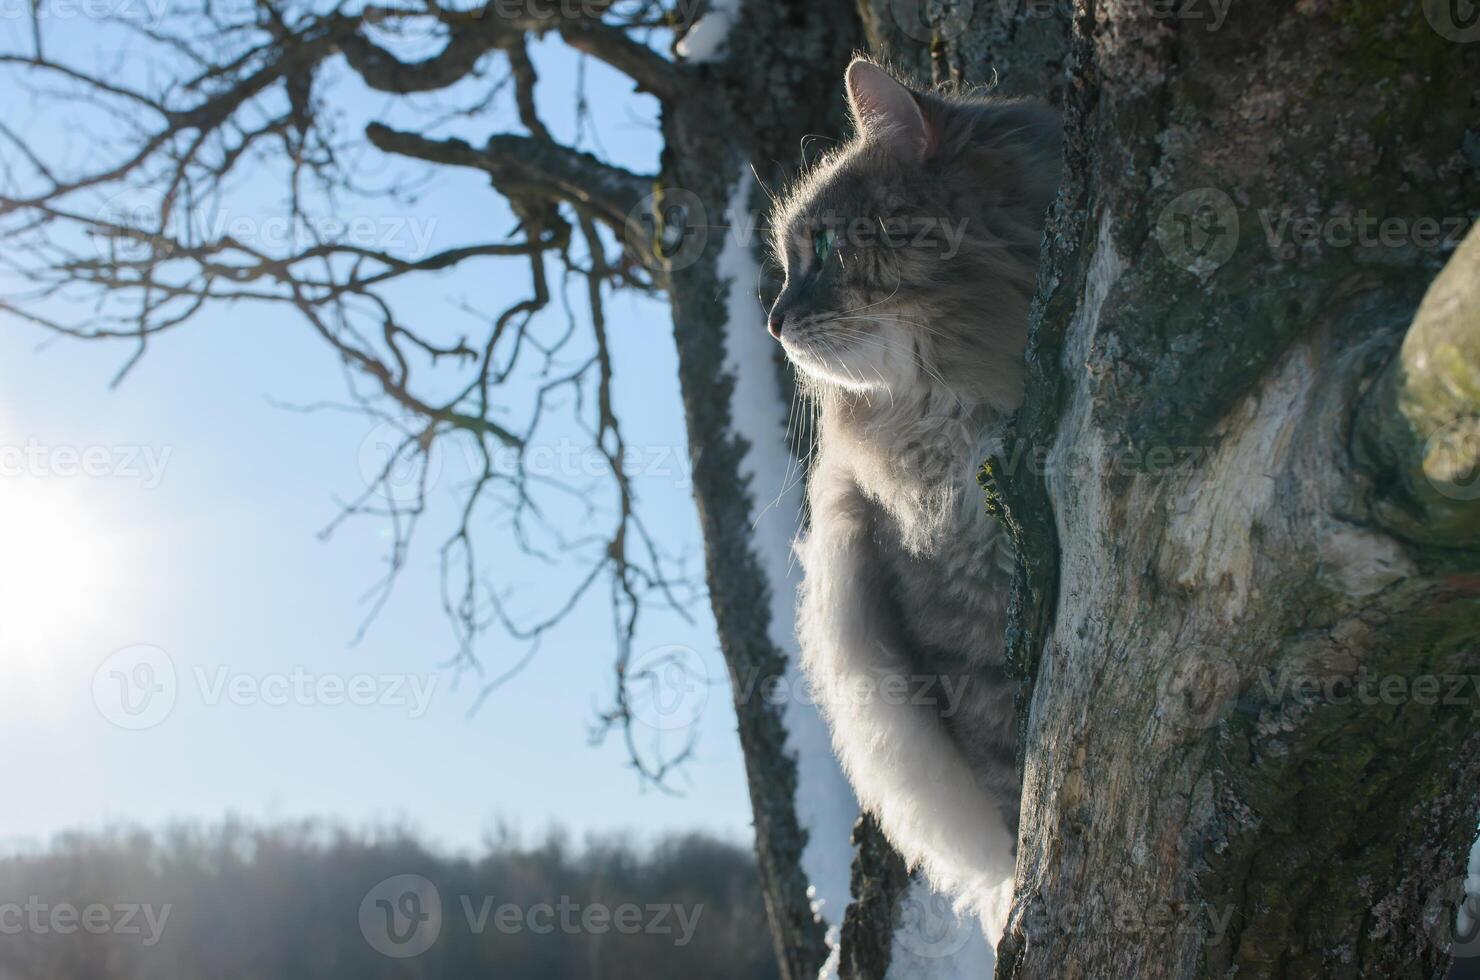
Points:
x=652 y=72
x=123 y=251
x=522 y=166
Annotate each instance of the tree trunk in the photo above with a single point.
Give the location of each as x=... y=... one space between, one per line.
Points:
x=1237 y=758
x=1246 y=557
x=759 y=99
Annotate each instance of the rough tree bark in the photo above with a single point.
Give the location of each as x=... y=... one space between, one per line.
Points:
x=775 y=82
x=1234 y=761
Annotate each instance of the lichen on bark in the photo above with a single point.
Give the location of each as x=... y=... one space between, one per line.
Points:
x=1420 y=426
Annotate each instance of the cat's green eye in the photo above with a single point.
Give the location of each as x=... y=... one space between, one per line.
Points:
x=823 y=243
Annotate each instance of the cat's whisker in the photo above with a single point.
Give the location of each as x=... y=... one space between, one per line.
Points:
x=874 y=318
x=803 y=146
x=813 y=409
x=898 y=318
x=837 y=358
x=848 y=370
x=760 y=298
x=762 y=183
x=793 y=464
x=791 y=438
x=843 y=364
x=860 y=309
x=919 y=361
x=814 y=423
x=922 y=327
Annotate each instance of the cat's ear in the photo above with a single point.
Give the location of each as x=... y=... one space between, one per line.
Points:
x=887 y=112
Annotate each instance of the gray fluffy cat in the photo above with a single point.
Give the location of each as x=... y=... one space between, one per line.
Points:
x=910 y=256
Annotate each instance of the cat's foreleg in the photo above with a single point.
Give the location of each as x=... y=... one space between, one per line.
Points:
x=899 y=757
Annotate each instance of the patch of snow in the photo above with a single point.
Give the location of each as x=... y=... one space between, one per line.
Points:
x=825 y=804
x=829 y=969
x=705 y=41
x=1465 y=919
x=933 y=942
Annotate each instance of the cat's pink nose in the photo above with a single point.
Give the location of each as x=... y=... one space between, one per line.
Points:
x=773 y=323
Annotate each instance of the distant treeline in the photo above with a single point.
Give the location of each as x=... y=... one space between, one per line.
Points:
x=306 y=902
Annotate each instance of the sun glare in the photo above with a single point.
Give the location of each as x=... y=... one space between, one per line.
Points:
x=50 y=556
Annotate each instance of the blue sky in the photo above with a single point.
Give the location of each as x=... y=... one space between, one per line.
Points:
x=200 y=543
